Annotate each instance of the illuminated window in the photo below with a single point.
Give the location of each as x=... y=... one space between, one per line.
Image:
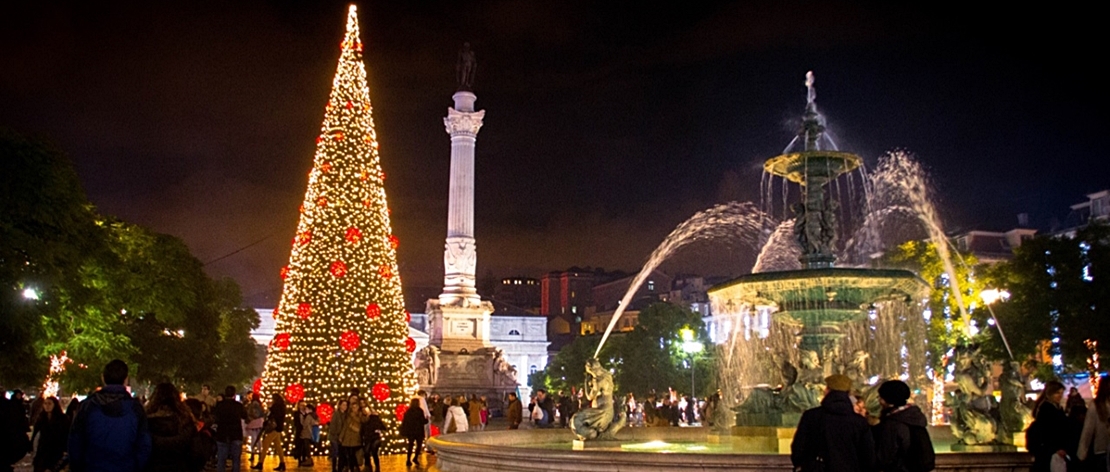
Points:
x=651 y=285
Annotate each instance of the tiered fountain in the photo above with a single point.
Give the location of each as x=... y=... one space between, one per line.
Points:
x=813 y=322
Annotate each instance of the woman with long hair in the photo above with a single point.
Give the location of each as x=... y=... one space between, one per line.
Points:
x=335 y=429
x=1094 y=440
x=350 y=439
x=412 y=429
x=271 y=440
x=172 y=428
x=51 y=432
x=1051 y=433
x=256 y=419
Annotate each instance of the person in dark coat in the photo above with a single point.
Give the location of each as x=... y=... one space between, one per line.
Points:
x=272 y=439
x=900 y=425
x=13 y=432
x=229 y=415
x=51 y=432
x=833 y=433
x=109 y=433
x=1053 y=430
x=172 y=429
x=371 y=434
x=412 y=429
x=516 y=411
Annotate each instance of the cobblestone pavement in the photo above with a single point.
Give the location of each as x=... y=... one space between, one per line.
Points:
x=393 y=463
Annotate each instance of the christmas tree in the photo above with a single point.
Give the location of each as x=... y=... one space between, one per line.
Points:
x=341 y=322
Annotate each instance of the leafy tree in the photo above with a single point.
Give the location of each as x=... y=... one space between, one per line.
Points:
x=1057 y=283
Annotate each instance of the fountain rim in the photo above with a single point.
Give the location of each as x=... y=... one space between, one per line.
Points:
x=787 y=165
x=827 y=272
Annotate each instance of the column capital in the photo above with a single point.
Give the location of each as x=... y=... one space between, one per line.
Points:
x=460 y=123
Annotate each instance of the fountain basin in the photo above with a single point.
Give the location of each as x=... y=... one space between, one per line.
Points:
x=800 y=167
x=646 y=449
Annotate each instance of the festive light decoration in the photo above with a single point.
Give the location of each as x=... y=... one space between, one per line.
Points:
x=284 y=272
x=324 y=412
x=57 y=367
x=1093 y=365
x=400 y=411
x=410 y=345
x=380 y=392
x=294 y=393
x=349 y=341
x=281 y=341
x=342 y=302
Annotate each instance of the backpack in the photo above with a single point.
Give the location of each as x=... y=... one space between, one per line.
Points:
x=920 y=457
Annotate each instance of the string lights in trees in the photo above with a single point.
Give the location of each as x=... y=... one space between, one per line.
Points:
x=341 y=323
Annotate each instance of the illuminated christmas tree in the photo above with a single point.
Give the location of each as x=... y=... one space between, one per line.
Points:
x=341 y=322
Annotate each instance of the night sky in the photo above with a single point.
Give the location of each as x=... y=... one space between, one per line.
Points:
x=606 y=125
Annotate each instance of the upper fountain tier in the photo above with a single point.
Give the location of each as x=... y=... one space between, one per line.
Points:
x=819 y=161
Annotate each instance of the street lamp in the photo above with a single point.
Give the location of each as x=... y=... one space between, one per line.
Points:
x=30 y=293
x=690 y=346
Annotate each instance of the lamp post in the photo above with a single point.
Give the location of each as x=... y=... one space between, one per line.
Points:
x=690 y=347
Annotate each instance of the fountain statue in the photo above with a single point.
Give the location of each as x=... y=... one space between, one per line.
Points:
x=604 y=417
x=979 y=422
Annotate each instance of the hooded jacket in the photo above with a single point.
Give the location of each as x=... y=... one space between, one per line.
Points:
x=834 y=432
x=109 y=433
x=894 y=441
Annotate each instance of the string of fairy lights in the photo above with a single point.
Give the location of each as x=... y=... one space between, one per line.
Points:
x=341 y=322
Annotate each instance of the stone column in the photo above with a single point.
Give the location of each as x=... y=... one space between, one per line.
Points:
x=460 y=256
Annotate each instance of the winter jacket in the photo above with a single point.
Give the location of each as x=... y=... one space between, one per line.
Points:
x=412 y=424
x=109 y=434
x=350 y=436
x=171 y=435
x=834 y=432
x=51 y=432
x=335 y=427
x=516 y=413
x=307 y=421
x=1094 y=439
x=230 y=415
x=455 y=419
x=372 y=428
x=1056 y=433
x=277 y=416
x=894 y=440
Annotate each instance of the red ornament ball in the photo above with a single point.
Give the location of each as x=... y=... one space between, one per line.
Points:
x=304 y=310
x=410 y=345
x=380 y=391
x=324 y=411
x=338 y=269
x=322 y=202
x=393 y=242
x=373 y=310
x=385 y=271
x=408 y=317
x=400 y=411
x=325 y=167
x=276 y=312
x=349 y=340
x=304 y=237
x=294 y=393
x=256 y=387
x=353 y=235
x=284 y=272
x=281 y=341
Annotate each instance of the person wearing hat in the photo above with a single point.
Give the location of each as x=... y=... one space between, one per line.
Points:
x=832 y=437
x=902 y=436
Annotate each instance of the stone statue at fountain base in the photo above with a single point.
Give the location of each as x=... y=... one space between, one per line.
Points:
x=604 y=417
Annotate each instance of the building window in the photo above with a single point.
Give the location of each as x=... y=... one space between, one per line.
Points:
x=513 y=332
x=532 y=369
x=651 y=285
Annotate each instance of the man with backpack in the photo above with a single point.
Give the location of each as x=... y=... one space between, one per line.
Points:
x=832 y=437
x=902 y=441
